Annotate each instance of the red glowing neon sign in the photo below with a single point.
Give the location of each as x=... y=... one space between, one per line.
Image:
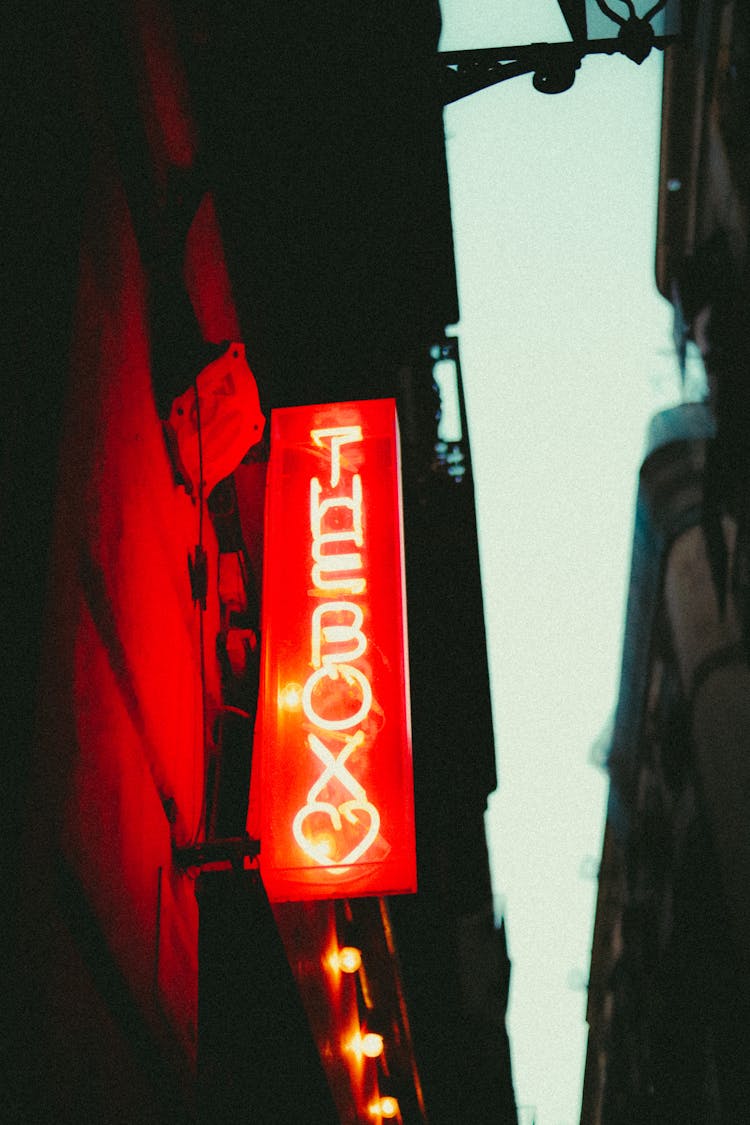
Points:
x=337 y=814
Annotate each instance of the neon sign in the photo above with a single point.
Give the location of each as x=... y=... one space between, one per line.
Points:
x=337 y=815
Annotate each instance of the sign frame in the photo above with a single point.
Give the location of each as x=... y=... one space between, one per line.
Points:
x=334 y=732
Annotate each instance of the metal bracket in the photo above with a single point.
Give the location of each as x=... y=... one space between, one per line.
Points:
x=234 y=850
x=466 y=72
x=553 y=65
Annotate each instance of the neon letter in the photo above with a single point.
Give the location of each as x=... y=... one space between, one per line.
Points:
x=339 y=435
x=335 y=767
x=331 y=672
x=336 y=563
x=337 y=633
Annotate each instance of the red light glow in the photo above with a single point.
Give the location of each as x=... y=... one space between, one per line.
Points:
x=337 y=812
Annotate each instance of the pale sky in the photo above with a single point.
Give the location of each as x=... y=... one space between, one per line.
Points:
x=566 y=353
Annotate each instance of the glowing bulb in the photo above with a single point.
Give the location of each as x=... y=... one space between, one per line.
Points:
x=386 y=1107
x=349 y=959
x=371 y=1044
x=290 y=697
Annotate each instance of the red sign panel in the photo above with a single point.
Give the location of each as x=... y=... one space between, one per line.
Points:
x=336 y=792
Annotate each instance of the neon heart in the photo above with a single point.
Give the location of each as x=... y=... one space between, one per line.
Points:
x=320 y=853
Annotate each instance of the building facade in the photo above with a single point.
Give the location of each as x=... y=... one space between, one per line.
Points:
x=669 y=992
x=273 y=178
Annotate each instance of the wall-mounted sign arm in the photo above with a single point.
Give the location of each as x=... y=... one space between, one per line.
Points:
x=623 y=27
x=208 y=852
x=553 y=66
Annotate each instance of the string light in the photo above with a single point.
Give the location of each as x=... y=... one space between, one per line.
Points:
x=371 y=1044
x=386 y=1107
x=349 y=959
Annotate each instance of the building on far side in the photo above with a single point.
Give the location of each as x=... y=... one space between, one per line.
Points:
x=669 y=990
